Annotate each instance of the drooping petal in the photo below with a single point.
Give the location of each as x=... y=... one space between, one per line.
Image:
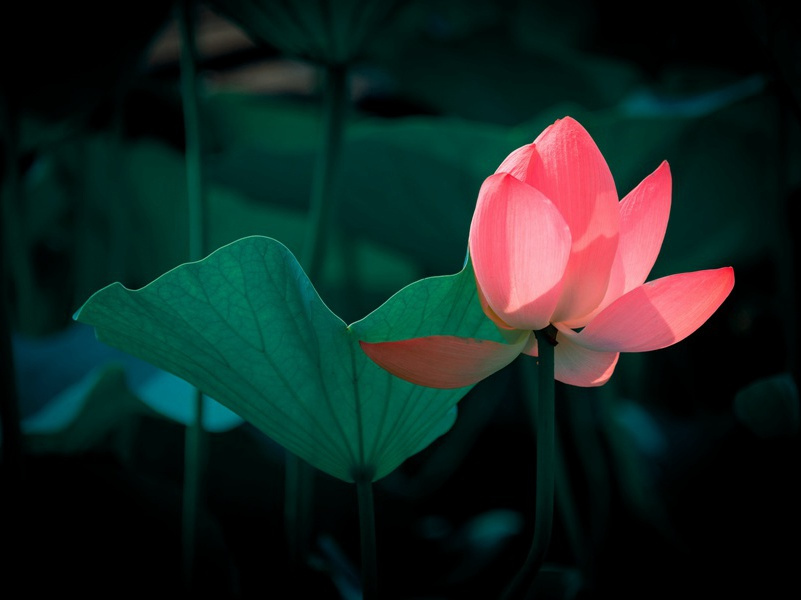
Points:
x=565 y=164
x=443 y=361
x=581 y=367
x=644 y=216
x=659 y=313
x=519 y=245
x=574 y=364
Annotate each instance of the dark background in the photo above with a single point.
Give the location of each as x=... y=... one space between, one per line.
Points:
x=683 y=469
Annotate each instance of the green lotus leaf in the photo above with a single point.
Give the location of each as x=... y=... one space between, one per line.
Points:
x=246 y=326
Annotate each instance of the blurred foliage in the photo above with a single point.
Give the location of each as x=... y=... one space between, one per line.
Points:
x=683 y=468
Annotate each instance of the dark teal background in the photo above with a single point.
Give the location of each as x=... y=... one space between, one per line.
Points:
x=684 y=468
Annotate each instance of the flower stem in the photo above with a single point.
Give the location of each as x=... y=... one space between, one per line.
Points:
x=299 y=476
x=543 y=407
x=195 y=437
x=364 y=491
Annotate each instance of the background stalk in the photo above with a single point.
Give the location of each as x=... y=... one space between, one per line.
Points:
x=364 y=491
x=543 y=407
x=195 y=437
x=299 y=475
x=10 y=242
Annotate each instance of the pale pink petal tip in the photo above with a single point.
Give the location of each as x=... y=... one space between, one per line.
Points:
x=442 y=361
x=659 y=313
x=644 y=214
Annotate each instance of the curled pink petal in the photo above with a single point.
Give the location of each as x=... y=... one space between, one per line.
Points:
x=574 y=364
x=565 y=164
x=442 y=361
x=519 y=245
x=579 y=366
x=659 y=313
x=491 y=313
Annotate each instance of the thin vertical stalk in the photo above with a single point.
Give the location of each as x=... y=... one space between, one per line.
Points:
x=335 y=106
x=299 y=486
x=29 y=306
x=299 y=475
x=364 y=491
x=195 y=437
x=190 y=93
x=543 y=407
x=9 y=402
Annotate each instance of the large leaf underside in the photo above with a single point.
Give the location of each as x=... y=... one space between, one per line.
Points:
x=246 y=326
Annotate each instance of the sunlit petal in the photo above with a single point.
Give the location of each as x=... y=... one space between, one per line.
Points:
x=491 y=313
x=443 y=361
x=580 y=366
x=565 y=164
x=659 y=313
x=574 y=364
x=519 y=245
x=644 y=216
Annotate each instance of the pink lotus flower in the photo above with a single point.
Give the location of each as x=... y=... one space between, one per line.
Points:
x=551 y=245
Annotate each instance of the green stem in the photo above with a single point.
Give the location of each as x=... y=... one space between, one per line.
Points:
x=194 y=446
x=9 y=403
x=190 y=93
x=566 y=502
x=299 y=475
x=335 y=105
x=543 y=407
x=195 y=434
x=364 y=490
x=30 y=310
x=298 y=508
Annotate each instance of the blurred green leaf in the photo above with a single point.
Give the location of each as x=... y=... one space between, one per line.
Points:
x=770 y=406
x=246 y=327
x=504 y=63
x=407 y=184
x=325 y=31
x=175 y=399
x=99 y=410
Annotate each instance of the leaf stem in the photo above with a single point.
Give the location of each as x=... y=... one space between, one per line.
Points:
x=543 y=407
x=364 y=491
x=195 y=436
x=298 y=508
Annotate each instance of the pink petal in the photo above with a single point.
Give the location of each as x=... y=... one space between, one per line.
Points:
x=659 y=313
x=491 y=313
x=574 y=364
x=565 y=164
x=581 y=367
x=442 y=361
x=644 y=216
x=519 y=245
